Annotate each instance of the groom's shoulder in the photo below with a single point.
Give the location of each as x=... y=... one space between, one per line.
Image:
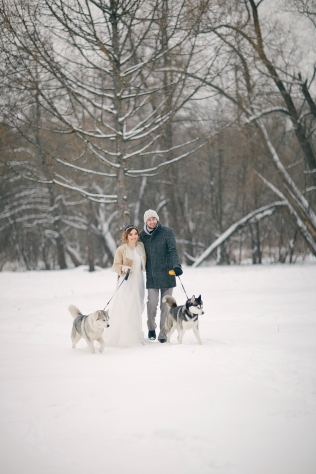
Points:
x=167 y=230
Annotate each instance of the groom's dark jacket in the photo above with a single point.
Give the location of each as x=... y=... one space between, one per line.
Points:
x=161 y=256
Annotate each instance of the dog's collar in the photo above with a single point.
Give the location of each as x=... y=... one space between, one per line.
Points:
x=191 y=316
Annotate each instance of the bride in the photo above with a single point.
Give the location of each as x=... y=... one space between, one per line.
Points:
x=127 y=305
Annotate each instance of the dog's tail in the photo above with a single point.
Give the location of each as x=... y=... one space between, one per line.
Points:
x=168 y=323
x=171 y=302
x=74 y=311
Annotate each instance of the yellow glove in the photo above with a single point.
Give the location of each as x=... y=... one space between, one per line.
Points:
x=177 y=271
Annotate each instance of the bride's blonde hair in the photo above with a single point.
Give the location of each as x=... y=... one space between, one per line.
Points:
x=126 y=232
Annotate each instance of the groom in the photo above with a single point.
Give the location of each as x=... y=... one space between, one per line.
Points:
x=161 y=257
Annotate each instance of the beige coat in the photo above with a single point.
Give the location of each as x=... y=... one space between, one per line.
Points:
x=124 y=256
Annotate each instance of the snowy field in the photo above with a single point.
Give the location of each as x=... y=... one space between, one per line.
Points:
x=243 y=403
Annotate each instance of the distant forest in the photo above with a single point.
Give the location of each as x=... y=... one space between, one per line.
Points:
x=204 y=110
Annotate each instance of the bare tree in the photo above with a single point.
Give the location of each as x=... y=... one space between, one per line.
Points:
x=259 y=88
x=101 y=76
x=304 y=7
x=106 y=101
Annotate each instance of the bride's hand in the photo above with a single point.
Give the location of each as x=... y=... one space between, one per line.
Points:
x=125 y=268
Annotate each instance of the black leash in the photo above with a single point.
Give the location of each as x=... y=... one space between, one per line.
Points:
x=125 y=278
x=183 y=288
x=172 y=272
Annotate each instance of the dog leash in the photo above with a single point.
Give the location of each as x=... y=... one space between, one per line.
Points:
x=183 y=288
x=173 y=273
x=125 y=278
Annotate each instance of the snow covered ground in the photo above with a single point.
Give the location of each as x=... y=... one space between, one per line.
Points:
x=243 y=403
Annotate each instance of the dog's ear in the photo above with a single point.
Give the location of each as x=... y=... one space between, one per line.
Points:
x=193 y=299
x=98 y=315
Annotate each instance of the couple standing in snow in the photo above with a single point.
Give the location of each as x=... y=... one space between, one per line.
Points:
x=152 y=250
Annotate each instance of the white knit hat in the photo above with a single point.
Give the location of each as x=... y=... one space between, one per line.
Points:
x=150 y=213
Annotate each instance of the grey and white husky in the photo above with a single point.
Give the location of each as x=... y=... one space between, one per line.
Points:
x=183 y=317
x=89 y=327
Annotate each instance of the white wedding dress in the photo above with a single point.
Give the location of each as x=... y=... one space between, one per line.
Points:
x=126 y=309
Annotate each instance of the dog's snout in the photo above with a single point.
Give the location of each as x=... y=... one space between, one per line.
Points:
x=108 y=325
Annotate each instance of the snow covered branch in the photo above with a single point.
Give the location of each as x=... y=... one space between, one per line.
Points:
x=253 y=216
x=131 y=172
x=98 y=173
x=101 y=198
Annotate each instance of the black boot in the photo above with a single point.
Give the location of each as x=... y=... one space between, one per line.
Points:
x=152 y=335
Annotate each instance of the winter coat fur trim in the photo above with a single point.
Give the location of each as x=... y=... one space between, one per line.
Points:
x=123 y=256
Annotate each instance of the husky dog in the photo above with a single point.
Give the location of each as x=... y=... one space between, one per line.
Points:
x=183 y=317
x=89 y=327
